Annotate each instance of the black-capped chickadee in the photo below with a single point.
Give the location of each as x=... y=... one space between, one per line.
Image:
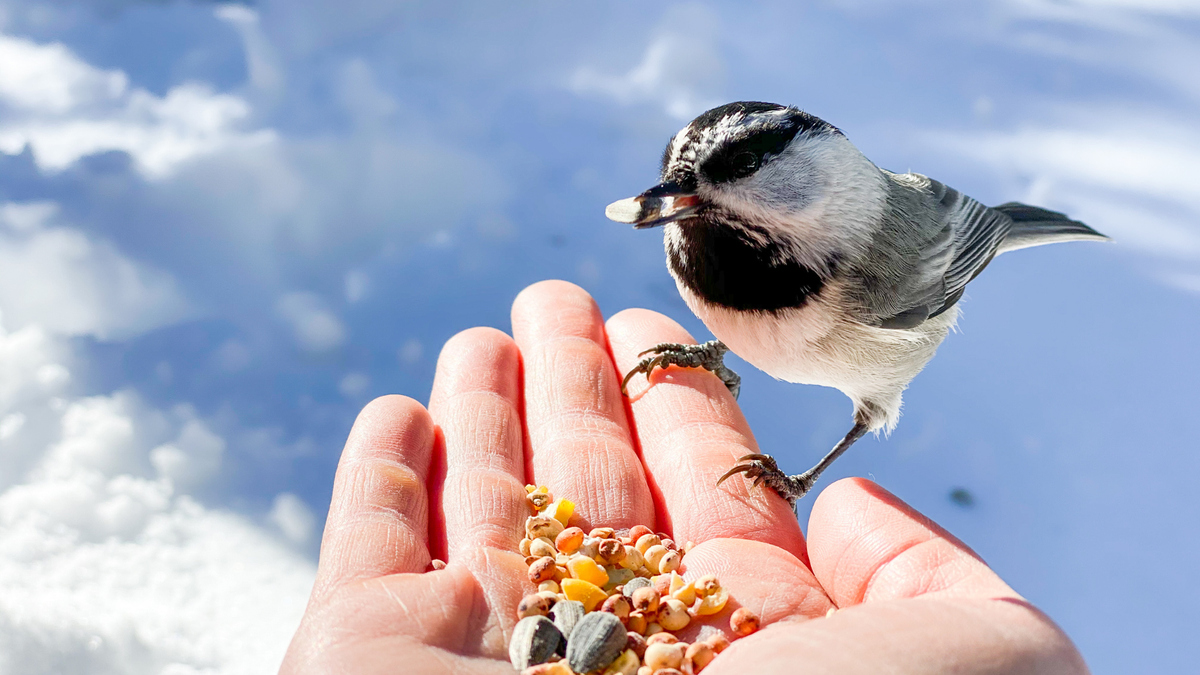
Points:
x=815 y=265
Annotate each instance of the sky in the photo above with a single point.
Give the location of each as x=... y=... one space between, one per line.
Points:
x=226 y=227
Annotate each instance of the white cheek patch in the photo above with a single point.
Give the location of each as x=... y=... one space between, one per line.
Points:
x=821 y=198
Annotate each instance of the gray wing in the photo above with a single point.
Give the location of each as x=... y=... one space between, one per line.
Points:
x=933 y=241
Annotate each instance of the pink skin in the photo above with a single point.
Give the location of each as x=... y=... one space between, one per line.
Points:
x=545 y=408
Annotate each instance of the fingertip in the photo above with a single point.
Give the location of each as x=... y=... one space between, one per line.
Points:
x=866 y=543
x=472 y=341
x=387 y=426
x=634 y=326
x=477 y=359
x=555 y=309
x=847 y=494
x=539 y=293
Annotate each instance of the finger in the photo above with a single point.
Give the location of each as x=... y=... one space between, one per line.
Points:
x=475 y=401
x=378 y=516
x=867 y=545
x=691 y=431
x=929 y=637
x=579 y=437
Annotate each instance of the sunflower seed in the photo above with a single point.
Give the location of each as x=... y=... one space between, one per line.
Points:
x=566 y=614
x=535 y=639
x=598 y=639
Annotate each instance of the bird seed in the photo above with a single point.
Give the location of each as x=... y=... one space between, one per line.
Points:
x=609 y=602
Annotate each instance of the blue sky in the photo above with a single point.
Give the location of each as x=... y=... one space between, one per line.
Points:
x=225 y=227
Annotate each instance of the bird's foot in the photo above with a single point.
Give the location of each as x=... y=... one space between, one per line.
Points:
x=710 y=356
x=762 y=470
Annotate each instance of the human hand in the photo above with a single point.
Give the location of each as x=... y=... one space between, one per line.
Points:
x=546 y=409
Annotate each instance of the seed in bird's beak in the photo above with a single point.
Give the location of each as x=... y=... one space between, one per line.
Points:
x=632 y=210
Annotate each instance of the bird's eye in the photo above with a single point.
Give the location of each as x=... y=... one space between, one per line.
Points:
x=744 y=164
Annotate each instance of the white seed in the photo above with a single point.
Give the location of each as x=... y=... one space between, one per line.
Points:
x=542 y=547
x=669 y=562
x=633 y=559
x=654 y=555
x=673 y=614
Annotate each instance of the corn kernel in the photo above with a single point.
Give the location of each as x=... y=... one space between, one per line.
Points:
x=712 y=603
x=584 y=591
x=588 y=570
x=560 y=510
x=681 y=590
x=626 y=664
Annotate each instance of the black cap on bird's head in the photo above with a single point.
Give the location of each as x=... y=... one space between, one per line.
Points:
x=721 y=147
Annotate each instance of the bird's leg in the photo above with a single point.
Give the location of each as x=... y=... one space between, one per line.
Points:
x=763 y=469
x=710 y=356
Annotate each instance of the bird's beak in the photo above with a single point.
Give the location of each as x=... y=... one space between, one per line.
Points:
x=661 y=204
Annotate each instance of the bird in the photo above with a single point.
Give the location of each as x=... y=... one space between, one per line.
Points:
x=815 y=265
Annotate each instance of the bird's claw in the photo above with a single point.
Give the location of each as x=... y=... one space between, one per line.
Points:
x=710 y=356
x=762 y=469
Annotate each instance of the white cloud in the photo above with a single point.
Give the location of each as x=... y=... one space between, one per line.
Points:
x=195 y=591
x=24 y=354
x=357 y=284
x=315 y=328
x=681 y=70
x=1179 y=8
x=293 y=518
x=266 y=72
x=107 y=566
x=232 y=356
x=354 y=385
x=410 y=352
x=10 y=425
x=69 y=282
x=192 y=458
x=65 y=108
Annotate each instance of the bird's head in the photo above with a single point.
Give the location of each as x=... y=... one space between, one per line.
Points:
x=754 y=161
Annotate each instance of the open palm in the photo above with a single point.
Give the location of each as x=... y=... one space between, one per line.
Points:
x=546 y=408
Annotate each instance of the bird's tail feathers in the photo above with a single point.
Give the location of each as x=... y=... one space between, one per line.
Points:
x=1033 y=226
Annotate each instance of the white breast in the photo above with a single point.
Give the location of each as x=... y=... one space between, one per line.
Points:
x=816 y=345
